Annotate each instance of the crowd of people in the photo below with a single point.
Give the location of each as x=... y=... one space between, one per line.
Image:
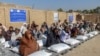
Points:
x=26 y=37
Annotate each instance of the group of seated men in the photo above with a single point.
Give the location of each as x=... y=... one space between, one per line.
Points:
x=26 y=37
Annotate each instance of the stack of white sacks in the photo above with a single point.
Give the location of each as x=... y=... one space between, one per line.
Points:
x=64 y=47
x=55 y=49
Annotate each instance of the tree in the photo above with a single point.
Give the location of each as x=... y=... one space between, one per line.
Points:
x=70 y=11
x=97 y=10
x=60 y=10
x=66 y=11
x=78 y=11
x=91 y=11
x=85 y=11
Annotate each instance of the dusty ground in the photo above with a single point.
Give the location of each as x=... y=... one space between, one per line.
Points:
x=89 y=48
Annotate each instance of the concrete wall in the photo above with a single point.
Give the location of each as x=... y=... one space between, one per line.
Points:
x=39 y=16
x=2 y=16
x=63 y=16
x=92 y=17
x=49 y=17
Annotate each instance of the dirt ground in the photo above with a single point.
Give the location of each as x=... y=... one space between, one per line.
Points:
x=89 y=48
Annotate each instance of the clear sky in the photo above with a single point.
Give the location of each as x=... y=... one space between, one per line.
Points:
x=55 y=4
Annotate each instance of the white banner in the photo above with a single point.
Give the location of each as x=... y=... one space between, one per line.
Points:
x=56 y=17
